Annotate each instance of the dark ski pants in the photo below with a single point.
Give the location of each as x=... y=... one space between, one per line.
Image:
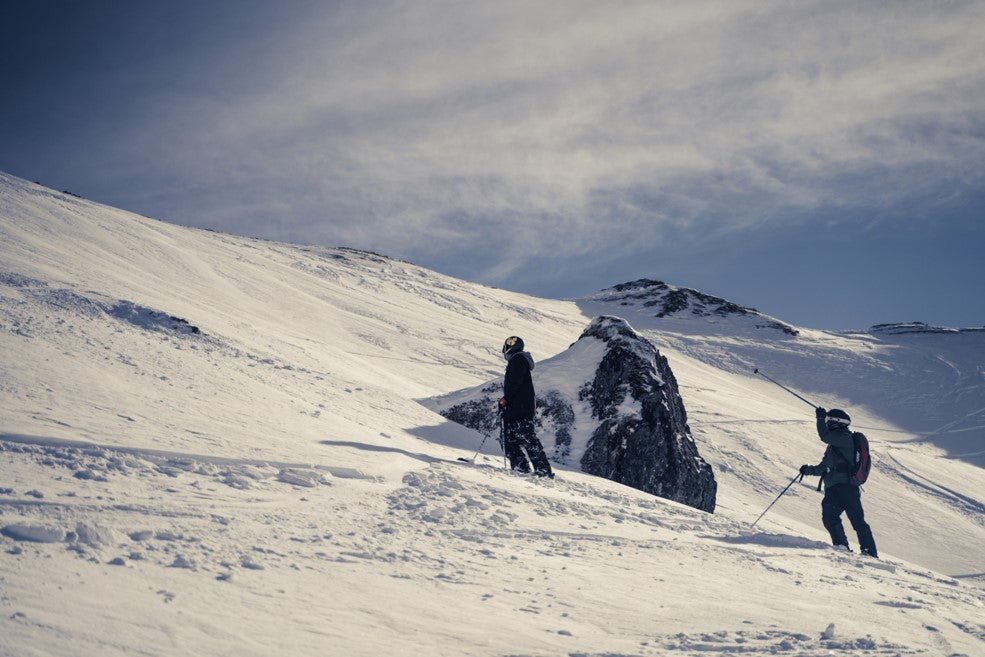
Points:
x=522 y=443
x=846 y=498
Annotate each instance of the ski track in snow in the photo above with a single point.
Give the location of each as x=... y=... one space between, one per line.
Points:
x=963 y=503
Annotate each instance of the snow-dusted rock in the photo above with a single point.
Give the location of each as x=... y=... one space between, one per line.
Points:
x=661 y=300
x=642 y=439
x=901 y=328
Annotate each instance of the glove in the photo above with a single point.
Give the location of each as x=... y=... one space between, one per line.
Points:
x=820 y=412
x=803 y=469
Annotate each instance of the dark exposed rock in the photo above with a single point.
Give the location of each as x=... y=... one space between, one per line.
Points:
x=556 y=417
x=917 y=327
x=151 y=320
x=651 y=449
x=478 y=413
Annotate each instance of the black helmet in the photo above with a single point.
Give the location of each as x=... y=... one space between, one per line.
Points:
x=837 y=416
x=513 y=344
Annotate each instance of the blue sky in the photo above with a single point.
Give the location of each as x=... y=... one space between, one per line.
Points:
x=820 y=161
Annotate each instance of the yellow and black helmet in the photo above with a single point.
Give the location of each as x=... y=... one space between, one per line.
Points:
x=512 y=345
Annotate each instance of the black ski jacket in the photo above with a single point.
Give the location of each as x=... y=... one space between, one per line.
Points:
x=836 y=465
x=518 y=388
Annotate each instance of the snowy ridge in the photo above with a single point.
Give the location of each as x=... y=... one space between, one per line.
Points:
x=661 y=300
x=269 y=485
x=918 y=327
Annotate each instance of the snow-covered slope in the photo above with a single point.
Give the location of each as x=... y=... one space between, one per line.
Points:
x=211 y=445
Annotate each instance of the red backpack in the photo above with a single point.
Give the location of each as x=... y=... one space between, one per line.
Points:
x=863 y=459
x=858 y=470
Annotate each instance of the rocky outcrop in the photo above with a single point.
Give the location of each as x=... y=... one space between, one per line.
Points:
x=661 y=300
x=610 y=406
x=642 y=439
x=901 y=328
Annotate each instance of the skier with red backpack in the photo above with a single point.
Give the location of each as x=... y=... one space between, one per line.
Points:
x=843 y=469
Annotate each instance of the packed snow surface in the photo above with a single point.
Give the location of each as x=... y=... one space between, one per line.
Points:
x=212 y=445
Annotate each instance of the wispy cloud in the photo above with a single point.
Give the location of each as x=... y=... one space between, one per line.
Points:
x=505 y=131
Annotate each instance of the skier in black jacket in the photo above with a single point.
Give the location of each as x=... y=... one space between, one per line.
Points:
x=517 y=407
x=840 y=494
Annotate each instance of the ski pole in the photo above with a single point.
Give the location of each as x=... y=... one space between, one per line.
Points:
x=474 y=456
x=502 y=439
x=796 y=477
x=756 y=371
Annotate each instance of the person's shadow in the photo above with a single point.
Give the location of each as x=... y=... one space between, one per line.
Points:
x=448 y=433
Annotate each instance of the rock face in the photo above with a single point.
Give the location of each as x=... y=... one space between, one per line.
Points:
x=649 y=447
x=610 y=405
